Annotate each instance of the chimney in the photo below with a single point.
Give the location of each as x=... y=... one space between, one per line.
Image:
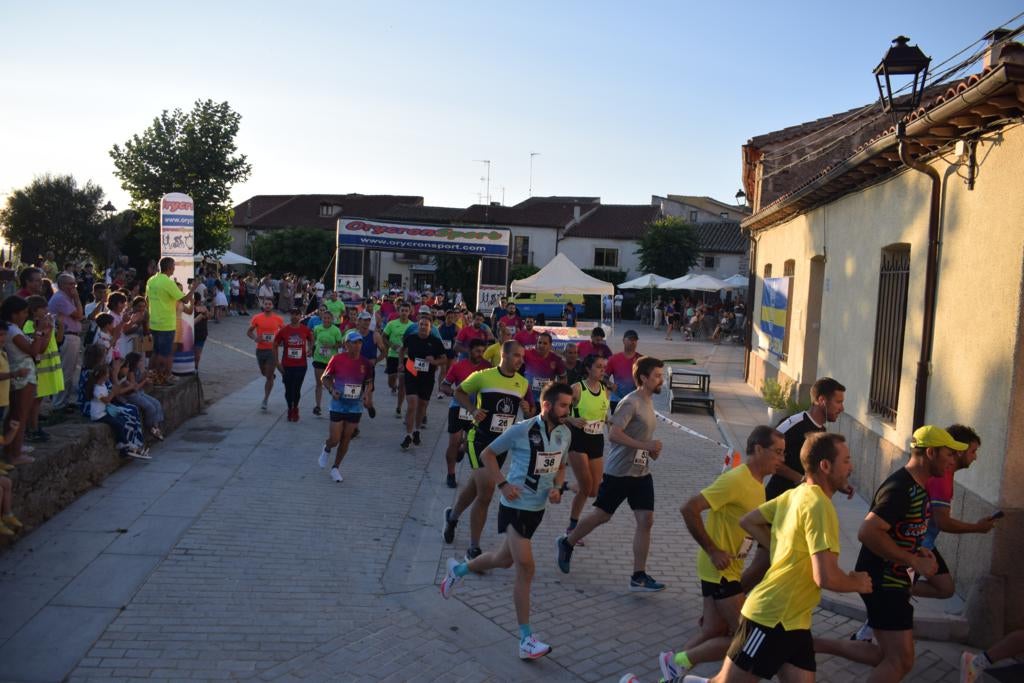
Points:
x=993 y=52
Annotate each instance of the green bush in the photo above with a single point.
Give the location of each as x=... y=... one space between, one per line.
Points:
x=777 y=395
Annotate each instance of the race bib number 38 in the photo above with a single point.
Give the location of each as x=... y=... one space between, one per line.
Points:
x=547 y=463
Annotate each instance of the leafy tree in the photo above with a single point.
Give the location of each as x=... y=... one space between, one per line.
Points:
x=458 y=272
x=194 y=153
x=669 y=247
x=303 y=251
x=54 y=214
x=522 y=271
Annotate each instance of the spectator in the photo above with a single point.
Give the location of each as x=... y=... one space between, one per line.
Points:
x=21 y=353
x=49 y=376
x=200 y=326
x=136 y=328
x=163 y=295
x=133 y=379
x=220 y=302
x=31 y=280
x=5 y=395
x=127 y=435
x=50 y=266
x=66 y=306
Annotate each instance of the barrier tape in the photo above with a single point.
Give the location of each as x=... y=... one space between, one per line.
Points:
x=732 y=458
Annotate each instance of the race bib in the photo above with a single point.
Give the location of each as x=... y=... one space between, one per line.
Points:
x=352 y=391
x=499 y=423
x=447 y=344
x=745 y=547
x=267 y=337
x=539 y=382
x=421 y=365
x=640 y=458
x=594 y=427
x=294 y=353
x=547 y=463
x=465 y=414
x=322 y=351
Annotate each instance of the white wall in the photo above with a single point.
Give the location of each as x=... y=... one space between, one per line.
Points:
x=726 y=265
x=542 y=243
x=580 y=251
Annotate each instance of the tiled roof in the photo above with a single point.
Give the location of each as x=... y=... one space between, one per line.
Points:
x=428 y=214
x=303 y=210
x=539 y=214
x=721 y=238
x=709 y=204
x=557 y=199
x=616 y=221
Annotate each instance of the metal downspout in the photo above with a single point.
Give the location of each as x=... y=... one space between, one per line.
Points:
x=930 y=277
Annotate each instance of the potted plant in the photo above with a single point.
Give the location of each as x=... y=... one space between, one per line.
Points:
x=778 y=396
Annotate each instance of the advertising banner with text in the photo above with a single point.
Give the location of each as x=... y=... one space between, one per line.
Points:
x=774 y=302
x=177 y=240
x=391 y=236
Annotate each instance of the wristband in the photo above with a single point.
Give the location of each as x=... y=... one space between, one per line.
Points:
x=502 y=483
x=564 y=487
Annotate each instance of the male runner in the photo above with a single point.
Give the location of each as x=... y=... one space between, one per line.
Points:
x=542 y=365
x=393 y=336
x=511 y=318
x=574 y=370
x=627 y=474
x=326 y=343
x=500 y=393
x=527 y=336
x=296 y=343
x=802 y=529
x=723 y=549
x=893 y=555
x=492 y=354
x=263 y=327
x=536 y=473
x=373 y=343
x=447 y=331
x=335 y=305
x=460 y=420
x=596 y=345
x=620 y=368
x=348 y=378
x=422 y=353
x=478 y=330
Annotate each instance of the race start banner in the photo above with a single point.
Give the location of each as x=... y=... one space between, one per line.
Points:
x=774 y=302
x=432 y=239
x=177 y=240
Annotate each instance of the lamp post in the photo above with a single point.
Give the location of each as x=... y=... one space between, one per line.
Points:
x=741 y=197
x=108 y=213
x=908 y=65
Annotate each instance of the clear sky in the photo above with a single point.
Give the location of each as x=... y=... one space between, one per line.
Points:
x=622 y=100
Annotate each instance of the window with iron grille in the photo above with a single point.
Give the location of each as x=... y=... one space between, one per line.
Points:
x=709 y=262
x=520 y=250
x=890 y=323
x=788 y=270
x=693 y=216
x=606 y=258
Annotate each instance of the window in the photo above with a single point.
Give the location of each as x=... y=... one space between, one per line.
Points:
x=767 y=270
x=520 y=250
x=724 y=214
x=326 y=210
x=890 y=322
x=693 y=216
x=709 y=262
x=788 y=271
x=606 y=258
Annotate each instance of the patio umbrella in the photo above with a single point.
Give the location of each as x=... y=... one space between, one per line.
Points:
x=648 y=280
x=678 y=283
x=737 y=281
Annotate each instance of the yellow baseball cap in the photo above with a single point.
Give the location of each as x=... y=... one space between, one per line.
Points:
x=931 y=436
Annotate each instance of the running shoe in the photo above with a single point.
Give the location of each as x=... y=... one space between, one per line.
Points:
x=316 y=411
x=531 y=648
x=645 y=584
x=398 y=413
x=440 y=396
x=448 y=529
x=5 y=530
x=295 y=414
x=406 y=442
x=864 y=633
x=969 y=673
x=139 y=455
x=322 y=460
x=263 y=405
x=372 y=412
x=473 y=553
x=450 y=482
x=580 y=543
x=416 y=438
x=424 y=423
x=564 y=553
x=450 y=580
x=336 y=475
x=629 y=678
x=157 y=434
x=667 y=663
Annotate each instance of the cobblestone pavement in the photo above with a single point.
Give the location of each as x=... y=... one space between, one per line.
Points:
x=274 y=572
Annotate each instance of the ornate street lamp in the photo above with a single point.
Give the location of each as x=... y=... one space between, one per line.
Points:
x=108 y=213
x=909 y=66
x=741 y=197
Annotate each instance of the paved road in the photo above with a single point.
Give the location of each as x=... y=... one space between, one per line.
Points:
x=233 y=556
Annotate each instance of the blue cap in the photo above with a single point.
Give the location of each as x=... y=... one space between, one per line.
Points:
x=353 y=336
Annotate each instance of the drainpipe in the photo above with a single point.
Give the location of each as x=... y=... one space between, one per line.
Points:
x=930 y=277
x=748 y=334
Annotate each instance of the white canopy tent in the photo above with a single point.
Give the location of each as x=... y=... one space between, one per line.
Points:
x=697 y=283
x=644 y=281
x=678 y=283
x=737 y=281
x=562 y=276
x=228 y=258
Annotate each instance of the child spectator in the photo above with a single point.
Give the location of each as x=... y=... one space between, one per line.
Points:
x=5 y=394
x=49 y=374
x=134 y=381
x=200 y=326
x=21 y=353
x=220 y=303
x=105 y=337
x=102 y=409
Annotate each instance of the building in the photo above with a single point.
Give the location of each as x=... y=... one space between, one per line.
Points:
x=724 y=247
x=842 y=248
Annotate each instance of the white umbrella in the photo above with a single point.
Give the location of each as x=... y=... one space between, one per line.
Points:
x=704 y=283
x=644 y=281
x=737 y=281
x=228 y=258
x=678 y=283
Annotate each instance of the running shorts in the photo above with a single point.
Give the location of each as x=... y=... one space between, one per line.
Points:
x=455 y=425
x=264 y=356
x=722 y=590
x=762 y=651
x=525 y=522
x=421 y=385
x=889 y=610
x=591 y=444
x=345 y=417
x=639 y=491
x=392 y=366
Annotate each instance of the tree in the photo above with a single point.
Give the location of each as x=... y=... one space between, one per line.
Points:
x=458 y=272
x=669 y=247
x=194 y=153
x=303 y=251
x=53 y=214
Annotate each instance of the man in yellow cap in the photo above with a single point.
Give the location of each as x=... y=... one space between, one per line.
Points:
x=892 y=552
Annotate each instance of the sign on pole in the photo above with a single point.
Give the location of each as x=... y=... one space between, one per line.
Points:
x=177 y=240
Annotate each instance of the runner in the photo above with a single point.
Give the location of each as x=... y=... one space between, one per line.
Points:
x=586 y=452
x=802 y=530
x=893 y=555
x=393 y=335
x=326 y=342
x=492 y=354
x=348 y=378
x=335 y=305
x=447 y=331
x=574 y=370
x=627 y=474
x=263 y=327
x=478 y=330
x=422 y=353
x=527 y=336
x=296 y=343
x=620 y=368
x=460 y=420
x=500 y=393
x=536 y=473
x=723 y=549
x=596 y=345
x=541 y=365
x=511 y=318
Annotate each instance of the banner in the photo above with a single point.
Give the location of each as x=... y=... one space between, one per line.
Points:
x=774 y=302
x=489 y=296
x=177 y=240
x=389 y=236
x=350 y=284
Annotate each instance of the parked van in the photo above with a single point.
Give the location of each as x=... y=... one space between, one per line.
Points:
x=548 y=304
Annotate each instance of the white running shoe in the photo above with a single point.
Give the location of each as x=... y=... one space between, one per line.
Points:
x=629 y=678
x=263 y=405
x=450 y=580
x=531 y=648
x=667 y=663
x=336 y=475
x=324 y=454
x=864 y=633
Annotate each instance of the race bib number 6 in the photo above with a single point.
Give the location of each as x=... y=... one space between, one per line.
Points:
x=499 y=423
x=547 y=462
x=640 y=458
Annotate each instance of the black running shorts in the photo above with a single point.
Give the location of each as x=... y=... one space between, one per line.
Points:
x=720 y=591
x=889 y=610
x=762 y=651
x=345 y=417
x=591 y=444
x=455 y=425
x=639 y=491
x=525 y=522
